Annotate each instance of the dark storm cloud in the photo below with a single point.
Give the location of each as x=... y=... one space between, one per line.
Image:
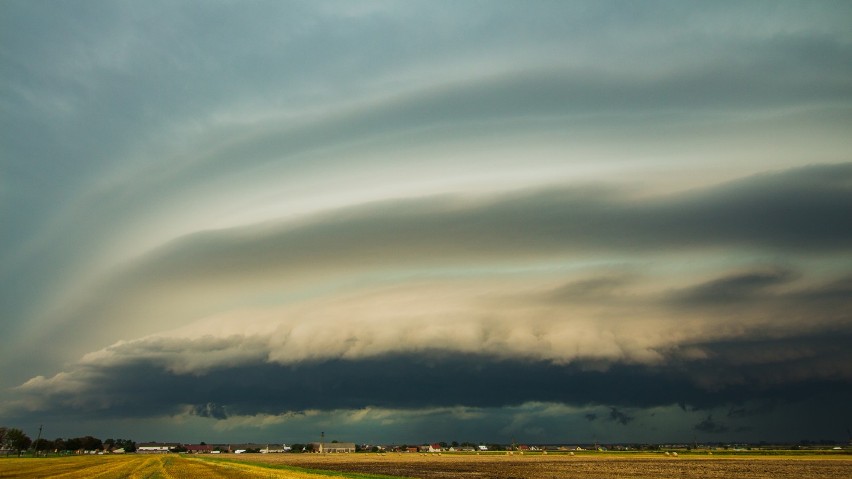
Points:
x=771 y=359
x=753 y=409
x=621 y=417
x=711 y=426
x=211 y=410
x=406 y=381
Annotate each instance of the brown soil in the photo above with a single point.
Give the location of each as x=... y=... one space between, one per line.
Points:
x=448 y=466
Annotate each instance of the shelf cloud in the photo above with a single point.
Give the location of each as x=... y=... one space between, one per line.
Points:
x=629 y=222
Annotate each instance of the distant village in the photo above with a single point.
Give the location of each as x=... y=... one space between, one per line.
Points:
x=336 y=447
x=333 y=447
x=14 y=441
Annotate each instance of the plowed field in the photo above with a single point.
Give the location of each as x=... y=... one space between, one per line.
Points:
x=560 y=466
x=446 y=466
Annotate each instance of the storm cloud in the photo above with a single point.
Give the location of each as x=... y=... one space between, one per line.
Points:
x=507 y=219
x=420 y=245
x=440 y=379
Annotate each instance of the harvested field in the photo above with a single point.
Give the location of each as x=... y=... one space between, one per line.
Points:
x=446 y=466
x=560 y=466
x=159 y=466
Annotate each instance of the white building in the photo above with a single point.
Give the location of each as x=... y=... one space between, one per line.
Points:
x=155 y=447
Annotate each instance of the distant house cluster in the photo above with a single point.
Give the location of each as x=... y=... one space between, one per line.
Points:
x=426 y=448
x=156 y=447
x=336 y=447
x=168 y=447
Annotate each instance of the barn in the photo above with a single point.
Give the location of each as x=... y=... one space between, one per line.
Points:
x=333 y=447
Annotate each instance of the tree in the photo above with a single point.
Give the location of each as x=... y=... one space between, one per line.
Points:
x=126 y=444
x=17 y=440
x=118 y=443
x=90 y=443
x=73 y=444
x=43 y=445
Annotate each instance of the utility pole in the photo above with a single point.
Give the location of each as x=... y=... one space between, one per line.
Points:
x=322 y=440
x=35 y=449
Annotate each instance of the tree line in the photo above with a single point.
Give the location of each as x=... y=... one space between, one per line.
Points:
x=14 y=440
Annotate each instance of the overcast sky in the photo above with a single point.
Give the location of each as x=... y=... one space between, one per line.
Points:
x=424 y=221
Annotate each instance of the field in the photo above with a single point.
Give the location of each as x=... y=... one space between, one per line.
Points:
x=159 y=466
x=553 y=466
x=445 y=466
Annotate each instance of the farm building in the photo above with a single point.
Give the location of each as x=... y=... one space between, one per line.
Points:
x=198 y=448
x=275 y=448
x=156 y=447
x=333 y=447
x=240 y=448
